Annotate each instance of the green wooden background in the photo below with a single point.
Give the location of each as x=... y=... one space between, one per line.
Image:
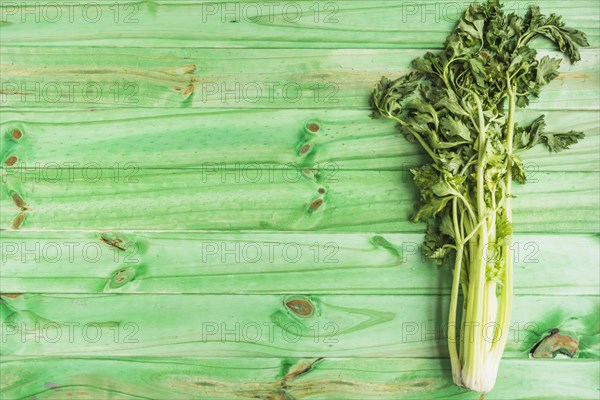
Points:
x=195 y=204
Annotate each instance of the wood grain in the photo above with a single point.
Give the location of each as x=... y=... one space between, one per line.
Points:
x=292 y=199
x=224 y=139
x=337 y=24
x=271 y=263
x=274 y=378
x=270 y=325
x=236 y=78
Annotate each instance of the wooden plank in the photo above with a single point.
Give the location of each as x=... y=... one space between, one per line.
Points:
x=271 y=263
x=270 y=325
x=246 y=138
x=292 y=199
x=235 y=78
x=301 y=24
x=271 y=378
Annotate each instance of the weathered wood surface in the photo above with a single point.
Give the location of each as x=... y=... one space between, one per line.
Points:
x=223 y=139
x=230 y=262
x=270 y=325
x=291 y=199
x=303 y=24
x=274 y=378
x=235 y=78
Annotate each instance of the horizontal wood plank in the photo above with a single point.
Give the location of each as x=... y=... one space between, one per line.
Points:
x=243 y=378
x=229 y=262
x=236 y=78
x=220 y=140
x=291 y=199
x=300 y=24
x=270 y=325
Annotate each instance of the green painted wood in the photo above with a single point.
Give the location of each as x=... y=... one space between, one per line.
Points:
x=229 y=139
x=311 y=262
x=375 y=301
x=338 y=24
x=273 y=378
x=291 y=199
x=270 y=325
x=235 y=78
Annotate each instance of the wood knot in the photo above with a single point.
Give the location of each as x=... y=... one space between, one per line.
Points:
x=309 y=173
x=312 y=175
x=190 y=69
x=121 y=277
x=19 y=202
x=190 y=89
x=313 y=127
x=12 y=160
x=114 y=241
x=321 y=190
x=117 y=243
x=314 y=206
x=17 y=134
x=305 y=149
x=301 y=368
x=553 y=344
x=18 y=220
x=380 y=241
x=300 y=306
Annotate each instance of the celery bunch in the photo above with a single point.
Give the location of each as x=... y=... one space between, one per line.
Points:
x=459 y=105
